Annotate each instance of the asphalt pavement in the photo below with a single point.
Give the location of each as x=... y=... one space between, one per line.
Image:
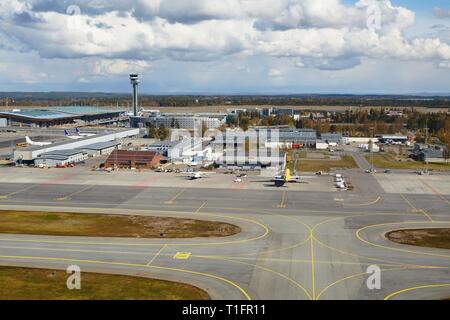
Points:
x=295 y=245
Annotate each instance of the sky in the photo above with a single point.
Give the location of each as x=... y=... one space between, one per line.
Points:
x=226 y=46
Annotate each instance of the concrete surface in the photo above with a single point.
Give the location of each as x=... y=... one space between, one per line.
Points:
x=295 y=244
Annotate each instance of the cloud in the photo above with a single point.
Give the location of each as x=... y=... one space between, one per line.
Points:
x=324 y=34
x=444 y=64
x=299 y=64
x=441 y=13
x=117 y=67
x=275 y=73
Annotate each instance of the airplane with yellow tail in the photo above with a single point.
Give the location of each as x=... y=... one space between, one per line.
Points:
x=286 y=177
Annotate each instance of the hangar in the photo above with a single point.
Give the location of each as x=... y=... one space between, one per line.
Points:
x=29 y=154
x=60 y=158
x=133 y=159
x=101 y=148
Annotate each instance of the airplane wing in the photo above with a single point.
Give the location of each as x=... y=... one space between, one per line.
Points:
x=294 y=179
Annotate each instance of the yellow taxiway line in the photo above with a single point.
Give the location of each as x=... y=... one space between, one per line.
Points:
x=414 y=209
x=416 y=288
x=298 y=285
x=360 y=238
x=265 y=229
x=74 y=193
x=362 y=204
x=17 y=192
x=171 y=201
x=313 y=267
x=201 y=207
x=282 y=204
x=306 y=261
x=157 y=255
x=246 y=295
x=362 y=274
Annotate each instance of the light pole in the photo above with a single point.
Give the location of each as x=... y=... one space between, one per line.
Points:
x=371 y=149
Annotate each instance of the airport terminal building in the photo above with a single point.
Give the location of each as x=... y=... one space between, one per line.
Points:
x=43 y=118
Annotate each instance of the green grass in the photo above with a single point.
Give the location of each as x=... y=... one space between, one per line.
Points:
x=431 y=238
x=98 y=225
x=346 y=162
x=39 y=284
x=389 y=161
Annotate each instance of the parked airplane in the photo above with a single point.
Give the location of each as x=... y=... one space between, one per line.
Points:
x=84 y=134
x=33 y=143
x=286 y=177
x=198 y=175
x=68 y=135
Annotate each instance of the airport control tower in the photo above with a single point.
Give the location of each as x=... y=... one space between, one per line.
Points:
x=134 y=78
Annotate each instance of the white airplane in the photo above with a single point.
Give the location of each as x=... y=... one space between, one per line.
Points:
x=68 y=135
x=33 y=143
x=199 y=175
x=84 y=134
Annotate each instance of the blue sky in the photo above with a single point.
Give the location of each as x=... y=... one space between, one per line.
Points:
x=226 y=46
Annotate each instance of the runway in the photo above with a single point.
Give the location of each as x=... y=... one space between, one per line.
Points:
x=294 y=246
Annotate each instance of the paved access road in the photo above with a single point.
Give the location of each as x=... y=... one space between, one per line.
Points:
x=294 y=244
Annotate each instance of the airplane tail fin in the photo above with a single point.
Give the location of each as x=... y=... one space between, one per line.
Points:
x=66 y=133
x=28 y=140
x=78 y=130
x=287 y=177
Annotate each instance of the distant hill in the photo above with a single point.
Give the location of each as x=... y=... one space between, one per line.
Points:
x=124 y=99
x=59 y=95
x=105 y=95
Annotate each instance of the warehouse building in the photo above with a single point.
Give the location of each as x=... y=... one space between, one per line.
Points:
x=433 y=156
x=186 y=150
x=29 y=154
x=162 y=147
x=293 y=137
x=126 y=159
x=181 y=121
x=101 y=148
x=60 y=158
x=394 y=139
x=332 y=138
x=247 y=162
x=430 y=153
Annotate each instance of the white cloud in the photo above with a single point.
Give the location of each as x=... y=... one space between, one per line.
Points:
x=118 y=67
x=322 y=34
x=275 y=73
x=444 y=64
x=441 y=13
x=299 y=64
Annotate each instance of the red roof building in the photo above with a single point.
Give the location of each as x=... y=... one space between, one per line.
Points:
x=133 y=159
